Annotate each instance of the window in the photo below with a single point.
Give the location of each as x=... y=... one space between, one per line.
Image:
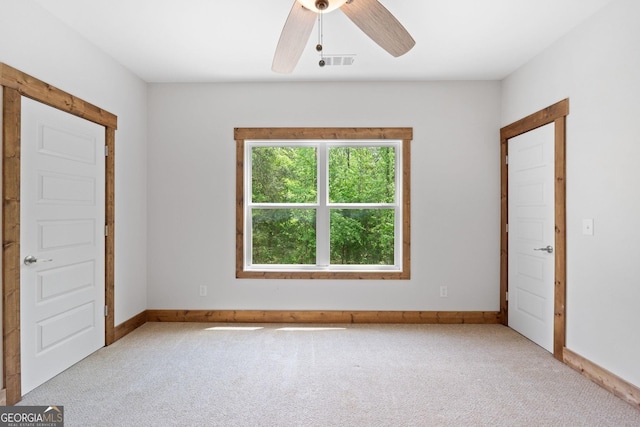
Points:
x=326 y=203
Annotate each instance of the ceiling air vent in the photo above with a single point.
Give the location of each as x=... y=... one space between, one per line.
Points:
x=339 y=59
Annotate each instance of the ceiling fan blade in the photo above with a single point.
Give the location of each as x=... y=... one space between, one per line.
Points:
x=293 y=38
x=380 y=25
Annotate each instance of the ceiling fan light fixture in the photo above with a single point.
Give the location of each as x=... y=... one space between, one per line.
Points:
x=322 y=6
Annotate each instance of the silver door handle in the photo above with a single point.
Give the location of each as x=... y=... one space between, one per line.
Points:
x=548 y=249
x=30 y=259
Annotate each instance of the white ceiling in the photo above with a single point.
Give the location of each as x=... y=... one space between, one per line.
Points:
x=233 y=40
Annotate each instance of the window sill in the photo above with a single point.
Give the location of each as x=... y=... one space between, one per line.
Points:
x=323 y=275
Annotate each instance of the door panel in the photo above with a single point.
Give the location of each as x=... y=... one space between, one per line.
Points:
x=531 y=228
x=62 y=222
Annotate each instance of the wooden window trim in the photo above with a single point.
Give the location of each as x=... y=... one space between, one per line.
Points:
x=14 y=85
x=404 y=134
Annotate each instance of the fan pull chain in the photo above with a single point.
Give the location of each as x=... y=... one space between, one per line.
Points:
x=319 y=46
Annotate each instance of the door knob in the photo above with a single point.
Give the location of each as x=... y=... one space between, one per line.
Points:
x=548 y=249
x=30 y=259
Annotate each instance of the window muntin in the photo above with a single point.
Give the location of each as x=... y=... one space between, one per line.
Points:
x=350 y=189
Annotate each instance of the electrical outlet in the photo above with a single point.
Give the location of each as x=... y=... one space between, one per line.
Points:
x=203 y=291
x=443 y=291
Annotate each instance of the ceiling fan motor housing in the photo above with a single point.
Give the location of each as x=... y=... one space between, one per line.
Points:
x=320 y=6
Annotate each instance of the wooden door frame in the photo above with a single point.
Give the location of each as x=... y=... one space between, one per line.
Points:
x=16 y=84
x=557 y=114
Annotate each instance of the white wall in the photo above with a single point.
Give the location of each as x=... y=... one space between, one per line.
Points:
x=596 y=66
x=34 y=42
x=455 y=192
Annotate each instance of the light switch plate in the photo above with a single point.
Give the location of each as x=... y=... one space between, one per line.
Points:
x=587 y=227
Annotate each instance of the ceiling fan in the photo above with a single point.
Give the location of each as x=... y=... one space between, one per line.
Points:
x=369 y=15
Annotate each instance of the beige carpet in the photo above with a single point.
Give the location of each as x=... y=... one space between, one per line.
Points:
x=196 y=374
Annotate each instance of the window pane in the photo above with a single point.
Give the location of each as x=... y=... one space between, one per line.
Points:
x=362 y=174
x=362 y=236
x=283 y=175
x=284 y=236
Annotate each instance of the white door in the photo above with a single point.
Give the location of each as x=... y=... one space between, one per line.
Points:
x=531 y=235
x=62 y=227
